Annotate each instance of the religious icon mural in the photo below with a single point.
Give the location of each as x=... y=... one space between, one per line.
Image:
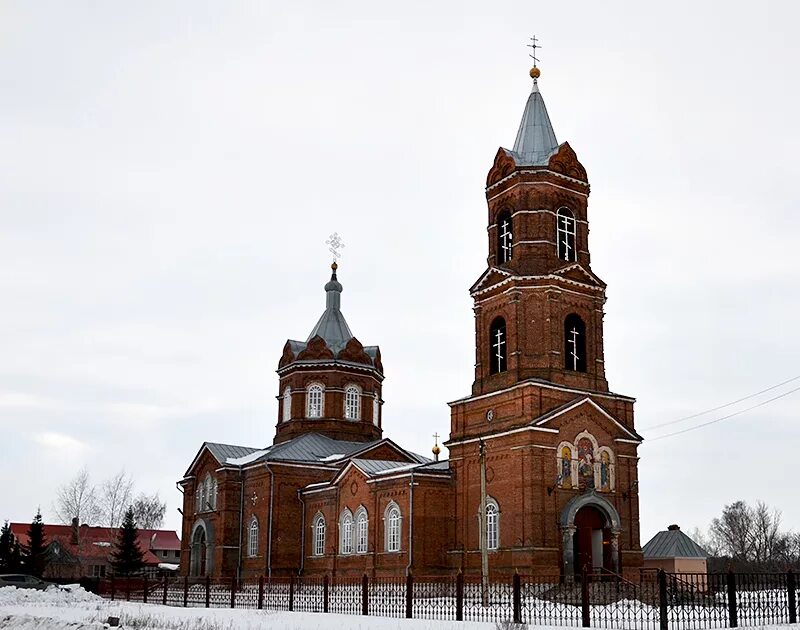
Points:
x=605 y=471
x=585 y=463
x=566 y=467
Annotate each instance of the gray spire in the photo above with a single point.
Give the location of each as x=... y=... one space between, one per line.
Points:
x=331 y=326
x=536 y=140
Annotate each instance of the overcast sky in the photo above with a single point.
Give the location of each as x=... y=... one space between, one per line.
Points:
x=170 y=171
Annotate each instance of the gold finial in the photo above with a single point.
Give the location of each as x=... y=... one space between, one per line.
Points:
x=535 y=72
x=334 y=266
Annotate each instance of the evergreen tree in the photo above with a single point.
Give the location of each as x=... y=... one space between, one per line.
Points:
x=15 y=564
x=36 y=556
x=6 y=548
x=128 y=556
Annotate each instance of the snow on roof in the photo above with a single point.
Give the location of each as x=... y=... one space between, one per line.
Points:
x=331 y=458
x=168 y=566
x=246 y=459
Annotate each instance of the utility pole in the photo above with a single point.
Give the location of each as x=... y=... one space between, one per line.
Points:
x=482 y=521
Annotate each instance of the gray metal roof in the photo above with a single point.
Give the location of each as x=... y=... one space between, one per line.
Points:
x=313 y=447
x=373 y=466
x=222 y=452
x=673 y=543
x=332 y=326
x=536 y=140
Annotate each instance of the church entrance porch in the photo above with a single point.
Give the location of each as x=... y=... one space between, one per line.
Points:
x=590 y=527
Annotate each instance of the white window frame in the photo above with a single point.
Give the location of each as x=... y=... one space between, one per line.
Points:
x=252 y=538
x=362 y=530
x=287 y=405
x=346 y=533
x=376 y=410
x=318 y=535
x=352 y=402
x=492 y=524
x=315 y=408
x=393 y=528
x=213 y=494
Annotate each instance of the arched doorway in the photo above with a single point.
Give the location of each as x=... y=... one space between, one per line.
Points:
x=591 y=541
x=199 y=550
x=201 y=547
x=590 y=527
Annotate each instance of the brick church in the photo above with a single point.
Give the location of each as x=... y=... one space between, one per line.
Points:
x=556 y=449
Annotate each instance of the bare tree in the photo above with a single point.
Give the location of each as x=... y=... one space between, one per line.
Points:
x=149 y=511
x=115 y=497
x=77 y=499
x=733 y=532
x=766 y=533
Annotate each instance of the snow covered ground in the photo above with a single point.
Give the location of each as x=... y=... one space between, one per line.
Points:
x=75 y=609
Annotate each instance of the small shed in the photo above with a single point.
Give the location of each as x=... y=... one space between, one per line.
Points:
x=674 y=552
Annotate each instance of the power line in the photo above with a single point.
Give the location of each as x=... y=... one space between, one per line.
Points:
x=731 y=415
x=702 y=413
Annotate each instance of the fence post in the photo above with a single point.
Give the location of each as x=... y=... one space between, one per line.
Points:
x=792 y=588
x=233 y=592
x=260 y=592
x=732 y=616
x=326 y=582
x=365 y=595
x=208 y=591
x=517 y=587
x=144 y=589
x=460 y=596
x=164 y=594
x=409 y=595
x=186 y=591
x=585 y=613
x=663 y=612
x=113 y=589
x=291 y=593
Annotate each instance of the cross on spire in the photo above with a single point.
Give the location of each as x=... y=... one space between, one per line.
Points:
x=533 y=46
x=436 y=437
x=335 y=245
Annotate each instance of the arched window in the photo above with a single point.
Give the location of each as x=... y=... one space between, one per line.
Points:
x=565 y=234
x=252 y=539
x=376 y=410
x=198 y=498
x=498 y=344
x=208 y=493
x=346 y=533
x=505 y=238
x=393 y=525
x=287 y=404
x=574 y=343
x=318 y=542
x=213 y=497
x=352 y=402
x=315 y=400
x=492 y=524
x=362 y=530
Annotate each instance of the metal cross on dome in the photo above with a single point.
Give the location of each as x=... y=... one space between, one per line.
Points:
x=335 y=244
x=533 y=46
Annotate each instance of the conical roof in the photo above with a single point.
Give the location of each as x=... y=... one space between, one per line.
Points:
x=332 y=326
x=536 y=140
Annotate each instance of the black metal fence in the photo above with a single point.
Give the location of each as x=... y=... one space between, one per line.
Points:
x=657 y=601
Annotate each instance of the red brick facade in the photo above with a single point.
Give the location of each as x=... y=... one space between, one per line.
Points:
x=330 y=496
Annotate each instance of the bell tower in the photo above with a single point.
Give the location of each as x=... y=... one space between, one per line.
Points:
x=541 y=436
x=538 y=306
